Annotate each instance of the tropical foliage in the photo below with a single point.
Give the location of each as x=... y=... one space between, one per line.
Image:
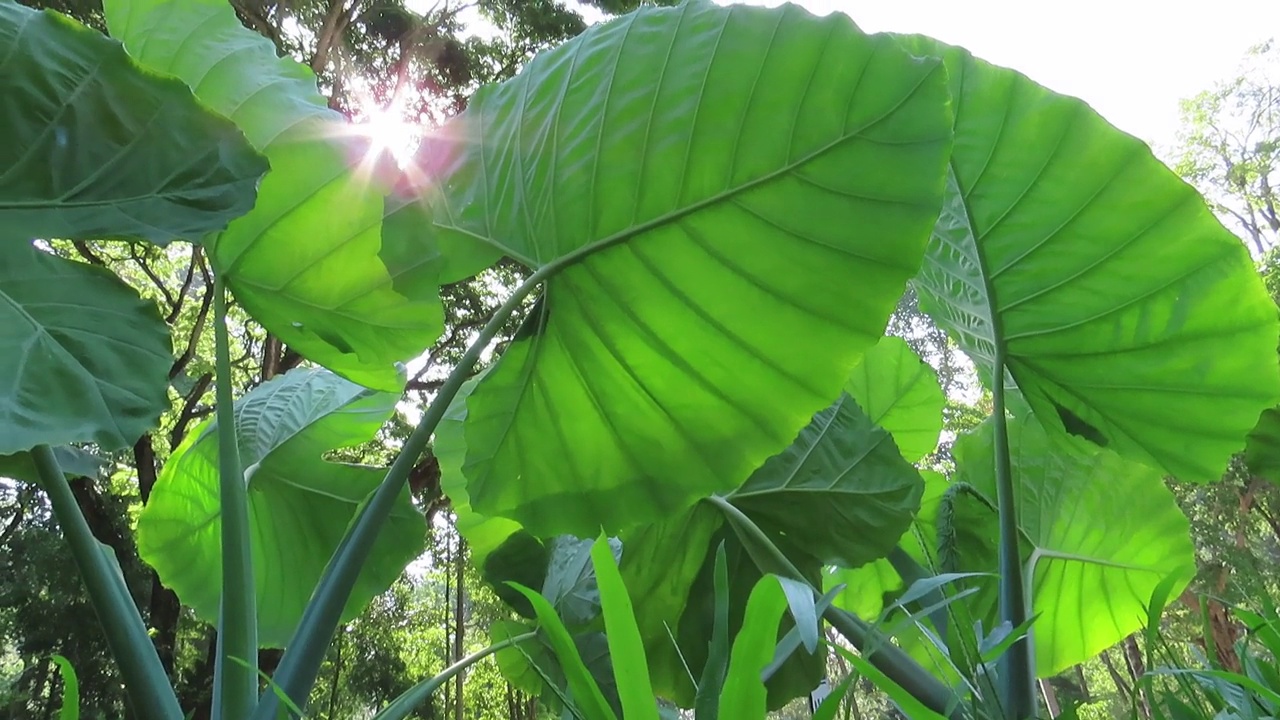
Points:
x=658 y=263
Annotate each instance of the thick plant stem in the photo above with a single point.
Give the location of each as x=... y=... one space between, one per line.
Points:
x=1017 y=672
x=235 y=686
x=418 y=694
x=149 y=690
x=891 y=660
x=301 y=664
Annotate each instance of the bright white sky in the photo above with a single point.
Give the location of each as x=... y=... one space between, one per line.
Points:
x=1132 y=60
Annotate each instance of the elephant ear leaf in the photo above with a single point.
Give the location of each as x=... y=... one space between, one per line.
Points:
x=1067 y=255
x=84 y=156
x=307 y=261
x=1100 y=534
x=299 y=503
x=83 y=358
x=649 y=170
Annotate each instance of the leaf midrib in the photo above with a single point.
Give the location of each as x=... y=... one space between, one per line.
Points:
x=551 y=267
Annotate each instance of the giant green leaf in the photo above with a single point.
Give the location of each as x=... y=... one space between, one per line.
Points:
x=841 y=490
x=1098 y=533
x=82 y=357
x=1124 y=311
x=96 y=146
x=1102 y=533
x=653 y=170
x=299 y=503
x=901 y=394
x=305 y=262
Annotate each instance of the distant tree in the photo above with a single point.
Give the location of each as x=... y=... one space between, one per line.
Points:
x=1229 y=147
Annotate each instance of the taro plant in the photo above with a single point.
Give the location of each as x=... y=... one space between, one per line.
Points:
x=718 y=208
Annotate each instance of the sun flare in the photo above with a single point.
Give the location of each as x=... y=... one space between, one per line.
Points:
x=388 y=131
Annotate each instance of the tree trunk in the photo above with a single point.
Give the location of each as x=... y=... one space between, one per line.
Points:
x=337 y=671
x=1050 y=698
x=163 y=609
x=197 y=696
x=1122 y=687
x=1137 y=669
x=459 y=627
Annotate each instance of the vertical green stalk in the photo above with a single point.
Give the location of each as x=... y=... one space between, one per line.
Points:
x=235 y=688
x=877 y=649
x=144 y=678
x=301 y=664
x=1017 y=669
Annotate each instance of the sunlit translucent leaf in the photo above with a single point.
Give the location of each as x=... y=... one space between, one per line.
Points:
x=82 y=357
x=901 y=394
x=305 y=262
x=95 y=146
x=1102 y=534
x=299 y=503
x=1128 y=314
x=703 y=319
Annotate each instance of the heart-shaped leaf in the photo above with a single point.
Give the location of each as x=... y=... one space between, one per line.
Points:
x=651 y=169
x=95 y=146
x=299 y=504
x=305 y=263
x=1100 y=533
x=1123 y=310
x=82 y=357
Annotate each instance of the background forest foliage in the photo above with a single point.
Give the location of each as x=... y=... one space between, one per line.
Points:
x=424 y=63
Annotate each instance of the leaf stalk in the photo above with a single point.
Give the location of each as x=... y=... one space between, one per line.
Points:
x=144 y=677
x=235 y=691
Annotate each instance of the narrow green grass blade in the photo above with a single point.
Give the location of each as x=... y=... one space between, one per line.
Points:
x=910 y=706
x=586 y=693
x=706 y=703
x=744 y=696
x=70 y=689
x=626 y=648
x=415 y=696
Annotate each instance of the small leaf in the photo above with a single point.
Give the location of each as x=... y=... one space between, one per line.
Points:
x=800 y=602
x=841 y=490
x=585 y=690
x=74 y=462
